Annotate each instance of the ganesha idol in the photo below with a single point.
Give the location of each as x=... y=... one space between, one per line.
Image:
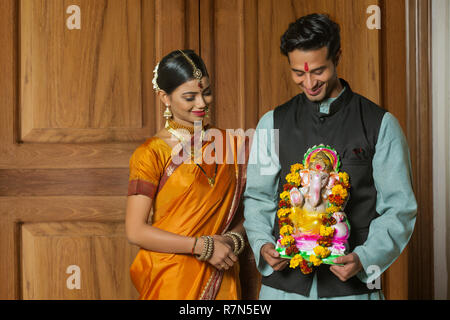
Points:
x=311 y=211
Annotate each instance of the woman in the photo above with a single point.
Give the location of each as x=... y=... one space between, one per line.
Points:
x=189 y=245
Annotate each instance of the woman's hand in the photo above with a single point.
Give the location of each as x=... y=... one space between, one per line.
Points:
x=223 y=257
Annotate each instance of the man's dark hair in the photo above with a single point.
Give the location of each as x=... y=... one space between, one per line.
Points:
x=312 y=32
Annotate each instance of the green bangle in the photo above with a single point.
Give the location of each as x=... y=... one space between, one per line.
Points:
x=193 y=247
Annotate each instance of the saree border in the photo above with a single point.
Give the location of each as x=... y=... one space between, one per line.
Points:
x=143 y=187
x=213 y=285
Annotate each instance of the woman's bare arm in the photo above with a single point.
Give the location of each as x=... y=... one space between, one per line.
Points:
x=140 y=233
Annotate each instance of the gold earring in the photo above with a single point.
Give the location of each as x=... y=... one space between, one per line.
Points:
x=167 y=115
x=207 y=112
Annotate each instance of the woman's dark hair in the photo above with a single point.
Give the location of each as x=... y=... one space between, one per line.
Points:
x=174 y=69
x=312 y=32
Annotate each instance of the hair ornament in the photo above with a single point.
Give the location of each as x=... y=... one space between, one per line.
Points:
x=155 y=78
x=197 y=73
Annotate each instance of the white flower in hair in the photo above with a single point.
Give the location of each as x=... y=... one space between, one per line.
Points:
x=155 y=77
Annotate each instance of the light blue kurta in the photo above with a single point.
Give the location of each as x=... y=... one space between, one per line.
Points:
x=388 y=234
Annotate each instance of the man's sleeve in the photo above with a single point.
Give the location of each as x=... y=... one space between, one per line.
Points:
x=390 y=232
x=260 y=196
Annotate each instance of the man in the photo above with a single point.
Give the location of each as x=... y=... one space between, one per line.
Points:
x=373 y=151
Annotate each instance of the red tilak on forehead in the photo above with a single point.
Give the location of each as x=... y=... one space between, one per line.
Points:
x=306 y=67
x=200 y=85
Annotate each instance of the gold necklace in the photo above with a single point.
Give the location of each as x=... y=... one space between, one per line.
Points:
x=175 y=125
x=211 y=180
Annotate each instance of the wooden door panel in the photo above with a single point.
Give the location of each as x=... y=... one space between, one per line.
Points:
x=229 y=48
x=57 y=182
x=76 y=104
x=75 y=83
x=100 y=252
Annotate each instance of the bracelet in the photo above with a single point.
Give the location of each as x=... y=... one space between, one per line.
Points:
x=235 y=241
x=193 y=247
x=208 y=248
x=205 y=248
x=241 y=241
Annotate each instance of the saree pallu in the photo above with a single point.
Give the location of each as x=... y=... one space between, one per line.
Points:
x=185 y=204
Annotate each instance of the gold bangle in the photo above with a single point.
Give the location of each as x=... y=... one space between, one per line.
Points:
x=205 y=248
x=208 y=248
x=235 y=241
x=241 y=241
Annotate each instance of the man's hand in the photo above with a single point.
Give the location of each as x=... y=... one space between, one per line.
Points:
x=351 y=266
x=272 y=257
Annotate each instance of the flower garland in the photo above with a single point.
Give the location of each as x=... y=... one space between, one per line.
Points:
x=336 y=200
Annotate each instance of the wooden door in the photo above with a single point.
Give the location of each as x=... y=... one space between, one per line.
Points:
x=75 y=104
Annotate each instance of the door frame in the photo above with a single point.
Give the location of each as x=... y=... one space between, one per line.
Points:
x=419 y=136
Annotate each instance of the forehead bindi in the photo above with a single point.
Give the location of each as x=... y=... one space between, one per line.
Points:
x=306 y=67
x=308 y=60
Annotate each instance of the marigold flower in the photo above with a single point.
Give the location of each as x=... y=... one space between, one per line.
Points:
x=305 y=268
x=286 y=230
x=340 y=190
x=284 y=204
x=343 y=177
x=283 y=212
x=287 y=241
x=322 y=252
x=324 y=241
x=315 y=260
x=336 y=199
x=287 y=187
x=328 y=220
x=285 y=195
x=291 y=250
x=294 y=178
x=284 y=221
x=296 y=167
x=326 y=231
x=295 y=261
x=333 y=209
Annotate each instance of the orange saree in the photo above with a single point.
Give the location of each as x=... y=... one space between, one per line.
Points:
x=184 y=203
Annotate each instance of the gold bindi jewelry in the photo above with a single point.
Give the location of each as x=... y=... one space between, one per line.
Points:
x=197 y=73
